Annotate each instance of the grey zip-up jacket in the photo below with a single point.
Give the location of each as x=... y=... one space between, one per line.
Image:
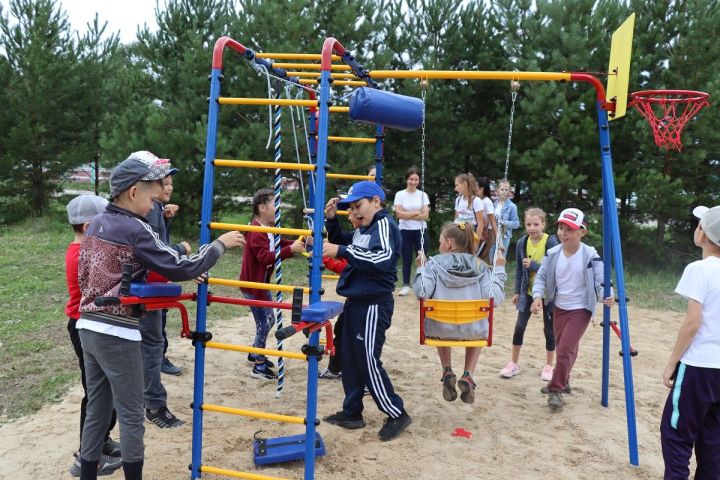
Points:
x=522 y=274
x=457 y=276
x=545 y=286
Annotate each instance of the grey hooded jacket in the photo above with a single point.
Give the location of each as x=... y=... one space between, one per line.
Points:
x=544 y=285
x=458 y=276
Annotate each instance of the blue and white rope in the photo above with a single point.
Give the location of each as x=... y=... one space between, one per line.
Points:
x=276 y=240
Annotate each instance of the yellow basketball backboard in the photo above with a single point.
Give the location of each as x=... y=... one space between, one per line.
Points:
x=619 y=67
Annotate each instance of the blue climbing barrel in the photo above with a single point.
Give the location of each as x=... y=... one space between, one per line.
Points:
x=391 y=110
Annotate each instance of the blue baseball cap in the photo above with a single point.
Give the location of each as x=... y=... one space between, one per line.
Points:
x=360 y=190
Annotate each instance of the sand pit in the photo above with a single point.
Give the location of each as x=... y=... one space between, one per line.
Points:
x=513 y=433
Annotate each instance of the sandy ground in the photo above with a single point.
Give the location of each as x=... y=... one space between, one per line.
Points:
x=513 y=433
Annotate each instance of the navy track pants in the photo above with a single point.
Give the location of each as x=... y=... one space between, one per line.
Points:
x=692 y=418
x=363 y=337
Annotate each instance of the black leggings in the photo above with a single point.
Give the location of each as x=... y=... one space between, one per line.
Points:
x=522 y=321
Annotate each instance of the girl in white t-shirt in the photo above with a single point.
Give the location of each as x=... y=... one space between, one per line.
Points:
x=412 y=207
x=469 y=207
x=487 y=240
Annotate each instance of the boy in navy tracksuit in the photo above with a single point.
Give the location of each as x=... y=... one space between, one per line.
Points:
x=368 y=283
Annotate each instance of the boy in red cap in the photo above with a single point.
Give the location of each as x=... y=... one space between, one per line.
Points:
x=571 y=277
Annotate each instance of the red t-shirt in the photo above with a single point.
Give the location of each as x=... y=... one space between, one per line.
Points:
x=71 y=275
x=258 y=260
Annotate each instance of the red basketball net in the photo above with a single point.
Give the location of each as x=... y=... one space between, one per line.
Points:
x=668 y=111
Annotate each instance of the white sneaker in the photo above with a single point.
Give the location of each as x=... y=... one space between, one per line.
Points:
x=510 y=370
x=547 y=373
x=404 y=291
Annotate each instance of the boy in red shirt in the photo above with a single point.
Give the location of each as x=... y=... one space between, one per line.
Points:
x=80 y=211
x=258 y=263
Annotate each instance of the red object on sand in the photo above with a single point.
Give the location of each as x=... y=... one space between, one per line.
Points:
x=460 y=432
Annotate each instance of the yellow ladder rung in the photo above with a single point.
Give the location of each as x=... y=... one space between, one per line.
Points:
x=330 y=277
x=339 y=109
x=220 y=162
x=455 y=343
x=237 y=474
x=349 y=83
x=352 y=139
x=347 y=76
x=310 y=66
x=276 y=417
x=310 y=211
x=258 y=228
x=349 y=176
x=261 y=351
x=295 y=56
x=255 y=285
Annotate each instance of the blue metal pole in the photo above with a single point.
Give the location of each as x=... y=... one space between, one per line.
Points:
x=607 y=264
x=614 y=232
x=379 y=152
x=201 y=315
x=315 y=272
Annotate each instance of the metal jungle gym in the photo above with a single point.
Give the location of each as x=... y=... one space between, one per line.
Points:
x=338 y=67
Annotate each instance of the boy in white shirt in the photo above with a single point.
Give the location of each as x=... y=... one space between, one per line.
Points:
x=692 y=410
x=571 y=277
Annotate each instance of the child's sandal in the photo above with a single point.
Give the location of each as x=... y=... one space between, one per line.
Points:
x=448 y=381
x=467 y=389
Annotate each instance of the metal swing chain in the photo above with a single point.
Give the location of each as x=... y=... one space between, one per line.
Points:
x=514 y=87
x=423 y=260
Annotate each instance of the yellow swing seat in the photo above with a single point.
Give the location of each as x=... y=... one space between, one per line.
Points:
x=456 y=312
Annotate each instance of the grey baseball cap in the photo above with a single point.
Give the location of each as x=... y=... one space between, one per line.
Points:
x=83 y=208
x=142 y=166
x=709 y=222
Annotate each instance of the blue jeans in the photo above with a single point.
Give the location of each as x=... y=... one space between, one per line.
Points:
x=264 y=320
x=410 y=246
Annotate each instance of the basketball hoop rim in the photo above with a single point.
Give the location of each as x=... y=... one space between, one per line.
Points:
x=686 y=96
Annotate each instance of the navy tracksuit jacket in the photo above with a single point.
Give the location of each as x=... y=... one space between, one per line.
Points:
x=368 y=282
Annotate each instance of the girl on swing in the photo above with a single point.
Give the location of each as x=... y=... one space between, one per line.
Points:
x=455 y=274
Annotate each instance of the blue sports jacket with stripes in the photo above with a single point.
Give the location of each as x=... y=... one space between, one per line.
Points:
x=372 y=255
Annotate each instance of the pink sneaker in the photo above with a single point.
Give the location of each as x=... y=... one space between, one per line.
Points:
x=510 y=370
x=547 y=373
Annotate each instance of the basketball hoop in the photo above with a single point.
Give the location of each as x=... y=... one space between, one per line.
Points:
x=668 y=111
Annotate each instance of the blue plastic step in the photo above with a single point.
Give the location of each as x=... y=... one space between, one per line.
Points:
x=155 y=289
x=319 y=312
x=284 y=449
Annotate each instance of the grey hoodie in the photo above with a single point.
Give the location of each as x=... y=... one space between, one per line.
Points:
x=458 y=276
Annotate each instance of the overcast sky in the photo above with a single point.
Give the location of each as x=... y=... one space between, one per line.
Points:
x=121 y=15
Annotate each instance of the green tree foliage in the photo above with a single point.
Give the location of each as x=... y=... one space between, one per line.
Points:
x=152 y=95
x=53 y=101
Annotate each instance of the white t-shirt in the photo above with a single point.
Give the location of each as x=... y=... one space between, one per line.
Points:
x=411 y=202
x=570 y=281
x=488 y=209
x=466 y=213
x=699 y=282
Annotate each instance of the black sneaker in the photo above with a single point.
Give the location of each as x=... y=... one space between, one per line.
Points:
x=268 y=363
x=545 y=391
x=342 y=420
x=163 y=418
x=167 y=367
x=555 y=401
x=106 y=466
x=111 y=448
x=262 y=372
x=393 y=427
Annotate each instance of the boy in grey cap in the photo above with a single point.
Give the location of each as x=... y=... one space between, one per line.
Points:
x=110 y=335
x=81 y=210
